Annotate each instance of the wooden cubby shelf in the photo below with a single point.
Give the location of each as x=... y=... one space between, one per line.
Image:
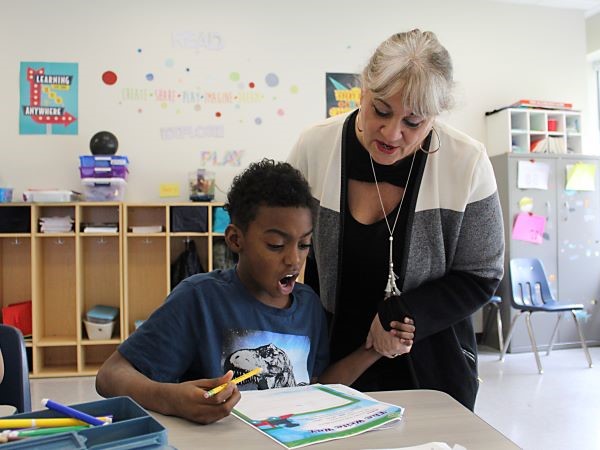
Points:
x=65 y=274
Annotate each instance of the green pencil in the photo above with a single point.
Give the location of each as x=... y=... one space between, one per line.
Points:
x=45 y=431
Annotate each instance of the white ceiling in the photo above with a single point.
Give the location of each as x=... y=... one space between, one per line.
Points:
x=590 y=7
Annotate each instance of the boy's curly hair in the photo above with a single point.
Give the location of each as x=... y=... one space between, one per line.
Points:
x=266 y=183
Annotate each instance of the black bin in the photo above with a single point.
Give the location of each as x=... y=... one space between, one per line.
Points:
x=15 y=219
x=189 y=219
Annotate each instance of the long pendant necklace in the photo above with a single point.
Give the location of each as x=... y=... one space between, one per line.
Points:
x=391 y=288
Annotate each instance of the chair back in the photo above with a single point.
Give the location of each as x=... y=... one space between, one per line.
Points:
x=14 y=389
x=530 y=288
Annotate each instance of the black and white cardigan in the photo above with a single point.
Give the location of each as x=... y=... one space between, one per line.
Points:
x=453 y=256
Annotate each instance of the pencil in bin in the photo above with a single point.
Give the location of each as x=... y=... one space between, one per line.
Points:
x=237 y=380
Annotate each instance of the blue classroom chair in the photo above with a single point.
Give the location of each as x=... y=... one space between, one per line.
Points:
x=494 y=304
x=14 y=389
x=531 y=293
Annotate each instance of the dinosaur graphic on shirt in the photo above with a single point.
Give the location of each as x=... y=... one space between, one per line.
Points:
x=277 y=370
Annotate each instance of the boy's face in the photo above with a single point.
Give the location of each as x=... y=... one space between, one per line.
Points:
x=272 y=251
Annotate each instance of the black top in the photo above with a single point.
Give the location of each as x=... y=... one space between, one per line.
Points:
x=365 y=266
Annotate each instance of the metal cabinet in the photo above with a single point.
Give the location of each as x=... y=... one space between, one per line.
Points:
x=570 y=248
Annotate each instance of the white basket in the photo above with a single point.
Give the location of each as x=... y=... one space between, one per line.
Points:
x=97 y=331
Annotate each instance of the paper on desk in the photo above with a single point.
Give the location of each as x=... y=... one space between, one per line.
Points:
x=304 y=415
x=428 y=446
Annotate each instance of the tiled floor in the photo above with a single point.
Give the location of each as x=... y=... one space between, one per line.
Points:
x=559 y=410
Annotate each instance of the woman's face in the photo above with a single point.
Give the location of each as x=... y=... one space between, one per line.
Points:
x=389 y=130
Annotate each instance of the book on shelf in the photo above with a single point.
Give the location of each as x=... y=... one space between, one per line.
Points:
x=146 y=229
x=544 y=104
x=535 y=104
x=555 y=145
x=100 y=227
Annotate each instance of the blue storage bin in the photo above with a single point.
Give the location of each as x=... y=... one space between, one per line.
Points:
x=102 y=314
x=102 y=161
x=220 y=219
x=132 y=427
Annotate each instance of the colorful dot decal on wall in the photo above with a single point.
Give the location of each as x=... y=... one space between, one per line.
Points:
x=280 y=112
x=139 y=50
x=140 y=110
x=251 y=85
x=294 y=89
x=187 y=69
x=197 y=107
x=149 y=76
x=217 y=114
x=272 y=80
x=258 y=121
x=164 y=105
x=234 y=76
x=169 y=62
x=109 y=77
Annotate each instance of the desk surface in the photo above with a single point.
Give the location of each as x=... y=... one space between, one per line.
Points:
x=430 y=416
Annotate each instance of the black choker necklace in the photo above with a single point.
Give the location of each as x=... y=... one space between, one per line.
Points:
x=358 y=164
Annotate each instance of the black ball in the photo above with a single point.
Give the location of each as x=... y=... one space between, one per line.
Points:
x=104 y=143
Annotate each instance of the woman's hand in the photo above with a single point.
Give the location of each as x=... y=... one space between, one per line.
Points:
x=390 y=344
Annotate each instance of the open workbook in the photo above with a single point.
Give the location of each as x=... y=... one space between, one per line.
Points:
x=303 y=415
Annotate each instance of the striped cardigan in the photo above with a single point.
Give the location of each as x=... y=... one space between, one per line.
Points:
x=453 y=256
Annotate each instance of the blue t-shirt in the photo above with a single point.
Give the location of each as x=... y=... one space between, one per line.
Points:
x=210 y=324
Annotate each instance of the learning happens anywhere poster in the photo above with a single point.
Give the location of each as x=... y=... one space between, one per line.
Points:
x=48 y=98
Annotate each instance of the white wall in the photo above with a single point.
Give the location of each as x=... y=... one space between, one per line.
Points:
x=501 y=52
x=592 y=25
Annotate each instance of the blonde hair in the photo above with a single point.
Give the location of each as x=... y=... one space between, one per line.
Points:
x=416 y=64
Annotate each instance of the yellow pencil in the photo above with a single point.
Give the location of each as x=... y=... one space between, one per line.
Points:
x=237 y=380
x=46 y=422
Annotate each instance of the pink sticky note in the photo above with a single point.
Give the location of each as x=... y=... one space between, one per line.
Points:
x=529 y=227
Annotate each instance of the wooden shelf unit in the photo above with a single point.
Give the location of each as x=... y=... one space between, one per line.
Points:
x=66 y=274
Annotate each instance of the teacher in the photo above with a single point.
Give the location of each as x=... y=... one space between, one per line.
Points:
x=408 y=225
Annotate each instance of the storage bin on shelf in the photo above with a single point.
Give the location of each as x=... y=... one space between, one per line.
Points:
x=103 y=161
x=104 y=172
x=99 y=331
x=100 y=321
x=104 y=189
x=6 y=195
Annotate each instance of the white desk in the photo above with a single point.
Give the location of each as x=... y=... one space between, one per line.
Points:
x=429 y=416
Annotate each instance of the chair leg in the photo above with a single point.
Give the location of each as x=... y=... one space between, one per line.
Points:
x=583 y=344
x=509 y=337
x=553 y=337
x=533 y=343
x=499 y=324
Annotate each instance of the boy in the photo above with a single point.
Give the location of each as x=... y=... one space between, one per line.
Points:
x=254 y=315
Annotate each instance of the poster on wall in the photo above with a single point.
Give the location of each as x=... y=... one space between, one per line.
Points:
x=48 y=98
x=343 y=93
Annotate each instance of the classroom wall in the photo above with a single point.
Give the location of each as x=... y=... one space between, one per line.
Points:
x=592 y=27
x=183 y=62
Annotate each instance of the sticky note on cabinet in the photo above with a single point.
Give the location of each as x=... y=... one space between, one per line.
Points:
x=529 y=228
x=169 y=190
x=581 y=177
x=526 y=204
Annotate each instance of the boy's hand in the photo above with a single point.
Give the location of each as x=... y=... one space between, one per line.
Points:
x=390 y=344
x=404 y=330
x=189 y=401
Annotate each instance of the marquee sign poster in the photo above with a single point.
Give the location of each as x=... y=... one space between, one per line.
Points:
x=48 y=98
x=343 y=93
